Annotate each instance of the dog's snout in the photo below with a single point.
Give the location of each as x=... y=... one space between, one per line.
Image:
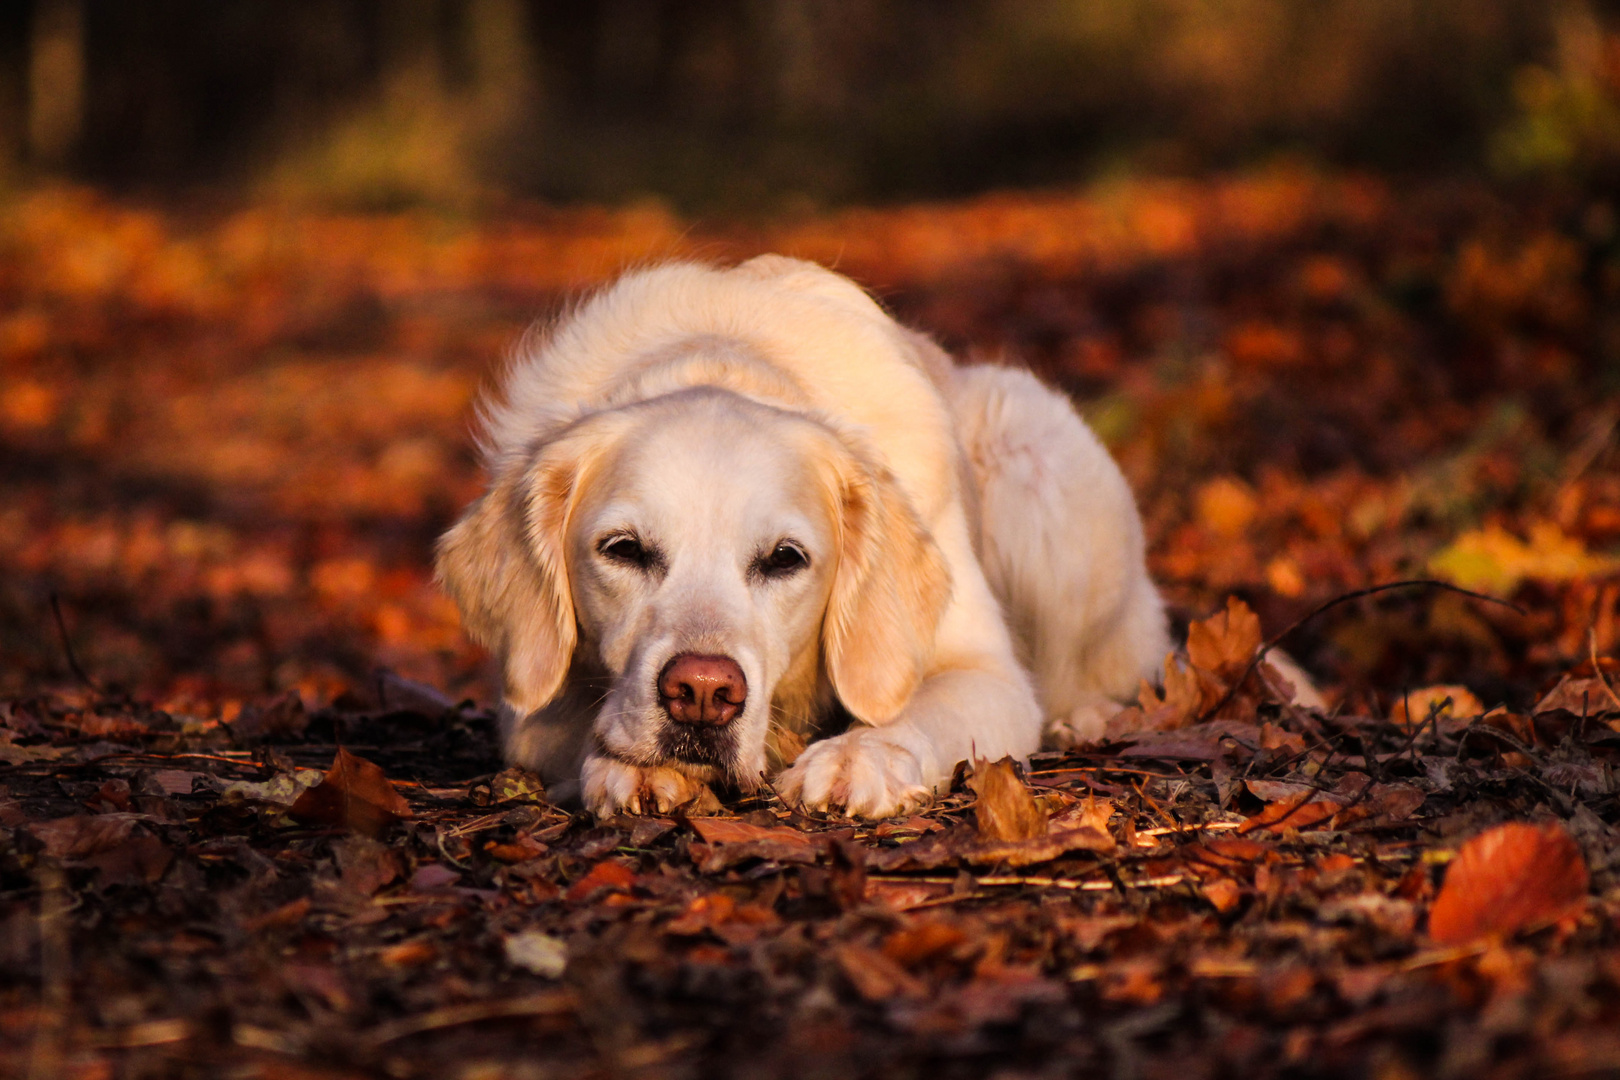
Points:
x=702 y=689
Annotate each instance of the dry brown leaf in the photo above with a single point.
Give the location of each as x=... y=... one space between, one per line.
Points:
x=83 y=835
x=1511 y=878
x=1223 y=894
x=874 y=976
x=355 y=795
x=606 y=875
x=1582 y=696
x=728 y=842
x=1006 y=808
x=1188 y=692
x=366 y=865
x=1225 y=642
x=914 y=945
x=1305 y=810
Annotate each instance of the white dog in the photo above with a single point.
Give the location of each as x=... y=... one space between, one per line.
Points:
x=732 y=508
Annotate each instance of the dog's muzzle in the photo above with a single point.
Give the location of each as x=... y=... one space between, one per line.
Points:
x=702 y=695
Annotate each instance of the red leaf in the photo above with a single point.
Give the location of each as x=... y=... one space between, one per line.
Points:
x=1511 y=878
x=355 y=795
x=83 y=835
x=604 y=875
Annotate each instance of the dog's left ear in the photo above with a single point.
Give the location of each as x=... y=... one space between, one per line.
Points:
x=889 y=591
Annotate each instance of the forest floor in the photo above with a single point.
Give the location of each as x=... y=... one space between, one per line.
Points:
x=253 y=821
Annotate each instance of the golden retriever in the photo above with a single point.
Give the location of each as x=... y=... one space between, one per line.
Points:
x=733 y=510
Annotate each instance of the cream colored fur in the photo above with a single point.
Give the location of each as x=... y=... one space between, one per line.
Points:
x=975 y=567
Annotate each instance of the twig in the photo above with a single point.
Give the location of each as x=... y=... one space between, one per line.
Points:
x=1038 y=882
x=67 y=647
x=1273 y=641
x=147 y=1033
x=548 y=1003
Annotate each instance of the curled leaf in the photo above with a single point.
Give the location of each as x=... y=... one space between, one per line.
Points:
x=355 y=795
x=1006 y=809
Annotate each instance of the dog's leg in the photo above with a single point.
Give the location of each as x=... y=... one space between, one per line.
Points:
x=977 y=702
x=1061 y=544
x=884 y=771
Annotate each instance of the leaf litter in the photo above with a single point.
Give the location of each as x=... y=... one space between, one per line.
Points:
x=253 y=820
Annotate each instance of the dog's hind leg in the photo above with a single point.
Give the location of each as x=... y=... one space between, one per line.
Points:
x=1061 y=544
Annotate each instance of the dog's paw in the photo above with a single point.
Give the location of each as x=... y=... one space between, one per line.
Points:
x=1086 y=723
x=609 y=786
x=861 y=772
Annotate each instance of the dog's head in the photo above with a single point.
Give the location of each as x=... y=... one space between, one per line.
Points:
x=709 y=555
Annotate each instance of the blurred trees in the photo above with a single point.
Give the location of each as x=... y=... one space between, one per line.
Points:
x=767 y=102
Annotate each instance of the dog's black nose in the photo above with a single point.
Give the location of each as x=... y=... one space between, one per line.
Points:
x=702 y=689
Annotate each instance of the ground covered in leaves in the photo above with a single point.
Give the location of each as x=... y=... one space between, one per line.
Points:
x=252 y=818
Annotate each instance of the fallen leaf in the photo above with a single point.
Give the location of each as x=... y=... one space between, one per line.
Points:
x=1225 y=643
x=174 y=781
x=914 y=945
x=904 y=895
x=964 y=846
x=409 y=954
x=1448 y=704
x=536 y=952
x=1006 y=809
x=728 y=842
x=606 y=875
x=366 y=865
x=280 y=719
x=522 y=848
x=1305 y=810
x=432 y=876
x=1206 y=742
x=396 y=693
x=874 y=976
x=283 y=789
x=1223 y=894
x=1508 y=879
x=516 y=785
x=1591 y=696
x=1493 y=560
x=83 y=835
x=355 y=794
x=288 y=914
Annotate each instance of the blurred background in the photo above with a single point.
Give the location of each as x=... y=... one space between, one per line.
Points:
x=785 y=104
x=1338 y=282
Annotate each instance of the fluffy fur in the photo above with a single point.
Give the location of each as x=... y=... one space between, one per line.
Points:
x=972 y=561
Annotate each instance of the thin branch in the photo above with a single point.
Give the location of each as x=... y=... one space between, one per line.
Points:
x=67 y=647
x=1273 y=641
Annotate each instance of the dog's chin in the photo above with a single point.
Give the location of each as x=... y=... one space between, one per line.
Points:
x=706 y=757
x=697 y=747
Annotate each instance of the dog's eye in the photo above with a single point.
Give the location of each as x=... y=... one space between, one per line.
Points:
x=626 y=549
x=783 y=560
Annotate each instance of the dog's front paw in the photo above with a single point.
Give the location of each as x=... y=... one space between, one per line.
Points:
x=609 y=785
x=861 y=771
x=1083 y=724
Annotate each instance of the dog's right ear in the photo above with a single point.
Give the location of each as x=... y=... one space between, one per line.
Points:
x=503 y=564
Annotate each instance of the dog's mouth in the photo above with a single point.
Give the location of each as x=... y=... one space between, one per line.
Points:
x=695 y=744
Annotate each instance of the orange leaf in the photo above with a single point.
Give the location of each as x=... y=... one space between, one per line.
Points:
x=1225 y=642
x=1006 y=809
x=604 y=875
x=355 y=795
x=1511 y=878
